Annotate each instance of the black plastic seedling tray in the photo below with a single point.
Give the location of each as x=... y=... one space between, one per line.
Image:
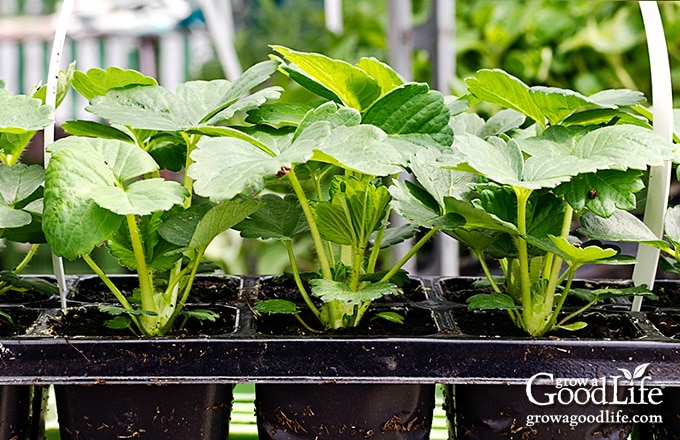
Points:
x=244 y=354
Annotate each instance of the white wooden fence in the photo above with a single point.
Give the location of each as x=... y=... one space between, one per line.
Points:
x=25 y=37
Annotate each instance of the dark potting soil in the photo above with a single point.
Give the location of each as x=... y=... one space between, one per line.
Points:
x=205 y=290
x=492 y=323
x=90 y=321
x=25 y=297
x=285 y=288
x=417 y=322
x=458 y=290
x=21 y=320
x=666 y=322
x=669 y=294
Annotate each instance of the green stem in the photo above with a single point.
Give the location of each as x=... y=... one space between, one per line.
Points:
x=375 y=250
x=304 y=324
x=112 y=287
x=145 y=278
x=313 y=229
x=179 y=305
x=487 y=272
x=319 y=196
x=27 y=259
x=408 y=255
x=356 y=269
x=522 y=249
x=188 y=182
x=572 y=272
x=361 y=311
x=190 y=282
x=298 y=280
x=5 y=286
x=557 y=263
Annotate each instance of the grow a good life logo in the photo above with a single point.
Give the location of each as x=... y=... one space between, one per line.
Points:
x=627 y=388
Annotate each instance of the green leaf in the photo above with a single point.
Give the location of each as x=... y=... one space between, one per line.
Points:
x=7 y=317
x=94 y=129
x=624 y=146
x=579 y=255
x=597 y=295
x=278 y=114
x=141 y=197
x=19 y=182
x=21 y=114
x=478 y=218
x=573 y=326
x=541 y=103
x=621 y=226
x=13 y=218
x=501 y=122
x=119 y=323
x=279 y=306
x=179 y=225
x=467 y=123
x=503 y=162
x=672 y=224
x=617 y=98
x=201 y=314
x=387 y=78
x=487 y=301
x=390 y=316
x=350 y=84
x=116 y=311
x=220 y=218
x=396 y=235
x=330 y=113
x=357 y=208
x=194 y=103
x=419 y=208
x=29 y=283
x=329 y=290
x=412 y=116
x=361 y=148
x=281 y=218
x=498 y=87
x=437 y=181
x=81 y=170
x=64 y=81
x=603 y=192
x=159 y=254
x=12 y=146
x=96 y=82
x=613 y=147
x=225 y=167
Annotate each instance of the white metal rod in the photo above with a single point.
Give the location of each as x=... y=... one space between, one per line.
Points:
x=221 y=30
x=659 y=177
x=51 y=100
x=333 y=15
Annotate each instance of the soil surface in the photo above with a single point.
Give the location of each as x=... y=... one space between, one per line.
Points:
x=90 y=321
x=492 y=323
x=205 y=290
x=417 y=322
x=22 y=319
x=285 y=288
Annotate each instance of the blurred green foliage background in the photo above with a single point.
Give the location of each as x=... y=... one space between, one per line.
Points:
x=583 y=45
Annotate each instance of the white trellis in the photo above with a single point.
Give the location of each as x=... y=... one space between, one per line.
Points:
x=659 y=177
